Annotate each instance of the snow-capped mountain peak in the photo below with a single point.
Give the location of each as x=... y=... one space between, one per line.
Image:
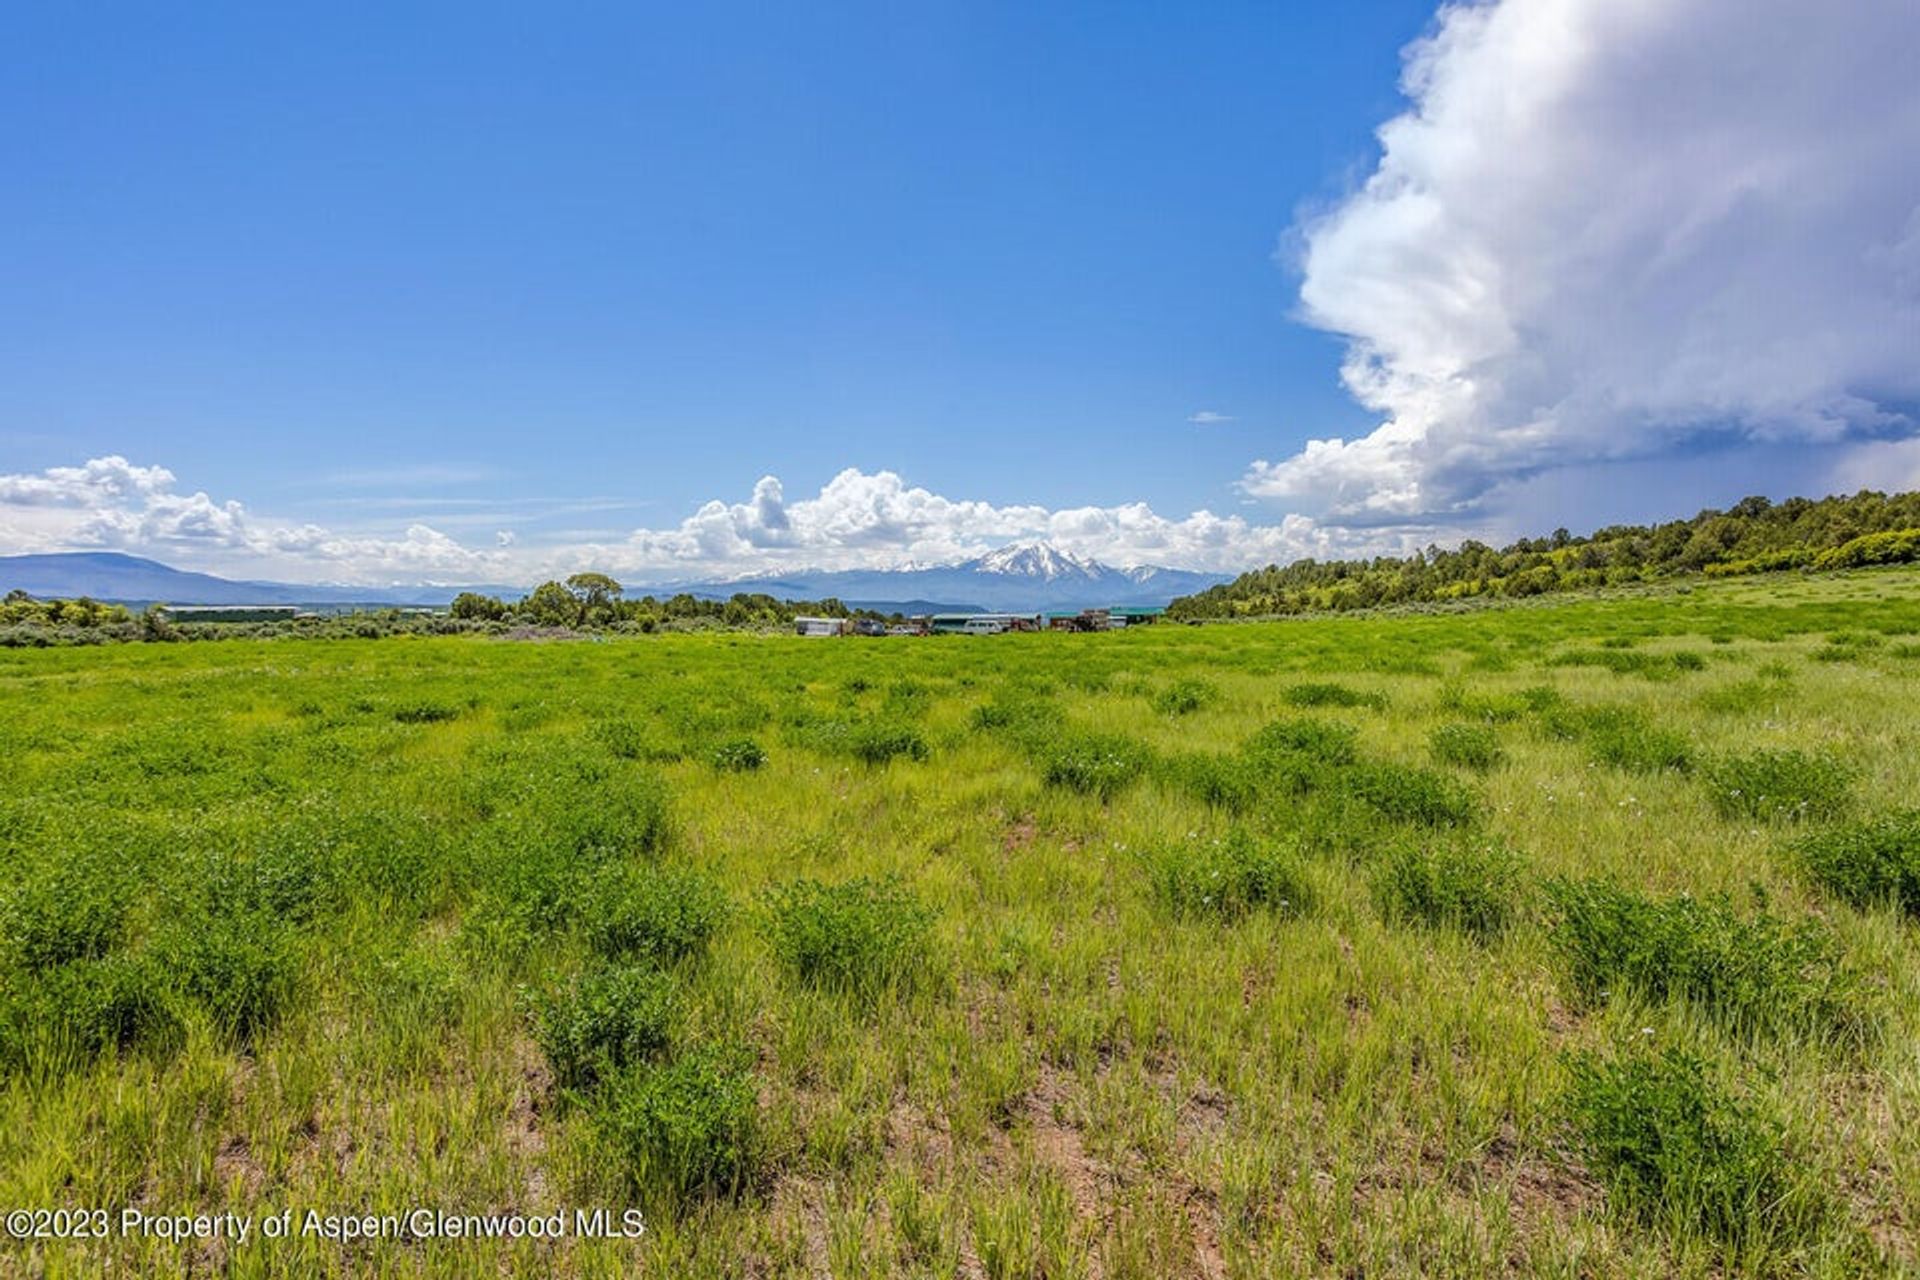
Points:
x=1040 y=560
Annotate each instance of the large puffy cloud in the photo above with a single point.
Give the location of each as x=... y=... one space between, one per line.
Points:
x=858 y=519
x=1609 y=228
x=112 y=503
x=877 y=520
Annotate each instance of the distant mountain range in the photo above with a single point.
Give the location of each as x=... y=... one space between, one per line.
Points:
x=1033 y=575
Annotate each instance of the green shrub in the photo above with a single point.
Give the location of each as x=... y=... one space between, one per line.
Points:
x=1470 y=746
x=878 y=743
x=627 y=812
x=1867 y=864
x=1783 y=785
x=861 y=936
x=291 y=878
x=86 y=1008
x=1490 y=709
x=1743 y=697
x=1759 y=972
x=629 y=741
x=1404 y=794
x=1326 y=694
x=71 y=912
x=1622 y=738
x=1675 y=1150
x=424 y=713
x=686 y=1129
x=1318 y=740
x=1228 y=877
x=603 y=1022
x=662 y=914
x=1100 y=764
x=1474 y=887
x=1185 y=696
x=1014 y=711
x=240 y=968
x=1231 y=782
x=738 y=755
x=1890 y=546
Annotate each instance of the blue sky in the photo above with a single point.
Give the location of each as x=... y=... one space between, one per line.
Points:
x=574 y=274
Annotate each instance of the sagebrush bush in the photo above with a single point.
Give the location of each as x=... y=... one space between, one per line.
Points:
x=1758 y=972
x=1229 y=876
x=737 y=755
x=603 y=1022
x=1468 y=745
x=1471 y=886
x=686 y=1129
x=1405 y=794
x=662 y=914
x=1186 y=696
x=861 y=936
x=1099 y=764
x=1867 y=864
x=1319 y=693
x=1675 y=1149
x=1779 y=786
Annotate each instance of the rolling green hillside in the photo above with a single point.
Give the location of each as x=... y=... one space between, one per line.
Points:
x=1753 y=536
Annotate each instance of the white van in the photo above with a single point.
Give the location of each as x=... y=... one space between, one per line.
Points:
x=984 y=626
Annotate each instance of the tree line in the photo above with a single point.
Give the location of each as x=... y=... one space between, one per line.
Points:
x=1752 y=536
x=596 y=601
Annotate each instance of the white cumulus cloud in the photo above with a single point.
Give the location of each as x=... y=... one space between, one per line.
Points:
x=858 y=519
x=1608 y=228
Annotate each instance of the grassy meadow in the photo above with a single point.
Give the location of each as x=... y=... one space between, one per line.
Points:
x=1573 y=937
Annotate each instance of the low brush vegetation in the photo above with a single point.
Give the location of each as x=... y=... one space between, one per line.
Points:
x=1474 y=886
x=1868 y=864
x=1758 y=971
x=1678 y=1150
x=1568 y=938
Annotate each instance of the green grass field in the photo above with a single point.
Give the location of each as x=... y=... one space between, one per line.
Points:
x=1570 y=938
